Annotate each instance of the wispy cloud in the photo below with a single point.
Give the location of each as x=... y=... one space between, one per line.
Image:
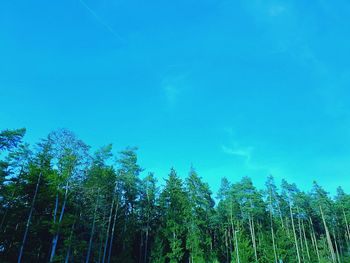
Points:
x=251 y=162
x=173 y=86
x=245 y=153
x=252 y=159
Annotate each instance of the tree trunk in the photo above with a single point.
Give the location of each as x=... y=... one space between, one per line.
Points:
x=55 y=239
x=347 y=226
x=300 y=237
x=28 y=220
x=237 y=251
x=305 y=240
x=146 y=240
x=93 y=228
x=295 y=235
x=226 y=245
x=112 y=234
x=336 y=247
x=329 y=241
x=108 y=229
x=315 y=240
x=70 y=242
x=252 y=234
x=280 y=214
x=272 y=232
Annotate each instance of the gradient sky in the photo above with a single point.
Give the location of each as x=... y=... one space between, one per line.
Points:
x=235 y=88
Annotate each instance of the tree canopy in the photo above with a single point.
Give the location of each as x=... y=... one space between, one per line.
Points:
x=61 y=203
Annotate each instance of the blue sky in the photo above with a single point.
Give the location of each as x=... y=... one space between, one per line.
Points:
x=233 y=87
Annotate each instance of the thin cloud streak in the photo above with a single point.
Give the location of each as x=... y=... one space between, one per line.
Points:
x=241 y=152
x=101 y=21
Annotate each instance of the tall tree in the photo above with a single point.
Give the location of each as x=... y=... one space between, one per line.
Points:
x=199 y=238
x=174 y=207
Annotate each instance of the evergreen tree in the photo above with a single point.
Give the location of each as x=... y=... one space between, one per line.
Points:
x=59 y=203
x=174 y=207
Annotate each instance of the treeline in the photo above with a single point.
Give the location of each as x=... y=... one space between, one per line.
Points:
x=59 y=203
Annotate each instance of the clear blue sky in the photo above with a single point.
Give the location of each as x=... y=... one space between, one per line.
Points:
x=234 y=87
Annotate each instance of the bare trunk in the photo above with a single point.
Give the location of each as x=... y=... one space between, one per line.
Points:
x=107 y=232
x=300 y=237
x=305 y=240
x=226 y=245
x=230 y=240
x=255 y=246
x=347 y=226
x=336 y=247
x=112 y=234
x=329 y=241
x=295 y=235
x=280 y=214
x=146 y=246
x=313 y=235
x=232 y=232
x=56 y=207
x=55 y=239
x=100 y=250
x=28 y=220
x=141 y=245
x=287 y=227
x=146 y=240
x=70 y=242
x=237 y=251
x=252 y=234
x=272 y=232
x=92 y=229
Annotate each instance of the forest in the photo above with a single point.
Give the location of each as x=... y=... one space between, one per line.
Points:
x=61 y=203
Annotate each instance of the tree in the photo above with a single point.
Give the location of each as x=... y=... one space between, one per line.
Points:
x=174 y=207
x=60 y=203
x=148 y=215
x=199 y=238
x=10 y=139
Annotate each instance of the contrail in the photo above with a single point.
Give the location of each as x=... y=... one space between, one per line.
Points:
x=101 y=21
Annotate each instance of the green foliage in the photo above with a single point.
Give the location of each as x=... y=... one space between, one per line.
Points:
x=102 y=208
x=10 y=139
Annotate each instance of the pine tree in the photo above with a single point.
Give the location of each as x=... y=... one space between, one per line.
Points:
x=174 y=207
x=59 y=203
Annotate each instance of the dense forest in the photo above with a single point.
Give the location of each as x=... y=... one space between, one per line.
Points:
x=61 y=203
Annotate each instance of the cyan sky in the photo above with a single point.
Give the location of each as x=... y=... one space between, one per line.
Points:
x=233 y=87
